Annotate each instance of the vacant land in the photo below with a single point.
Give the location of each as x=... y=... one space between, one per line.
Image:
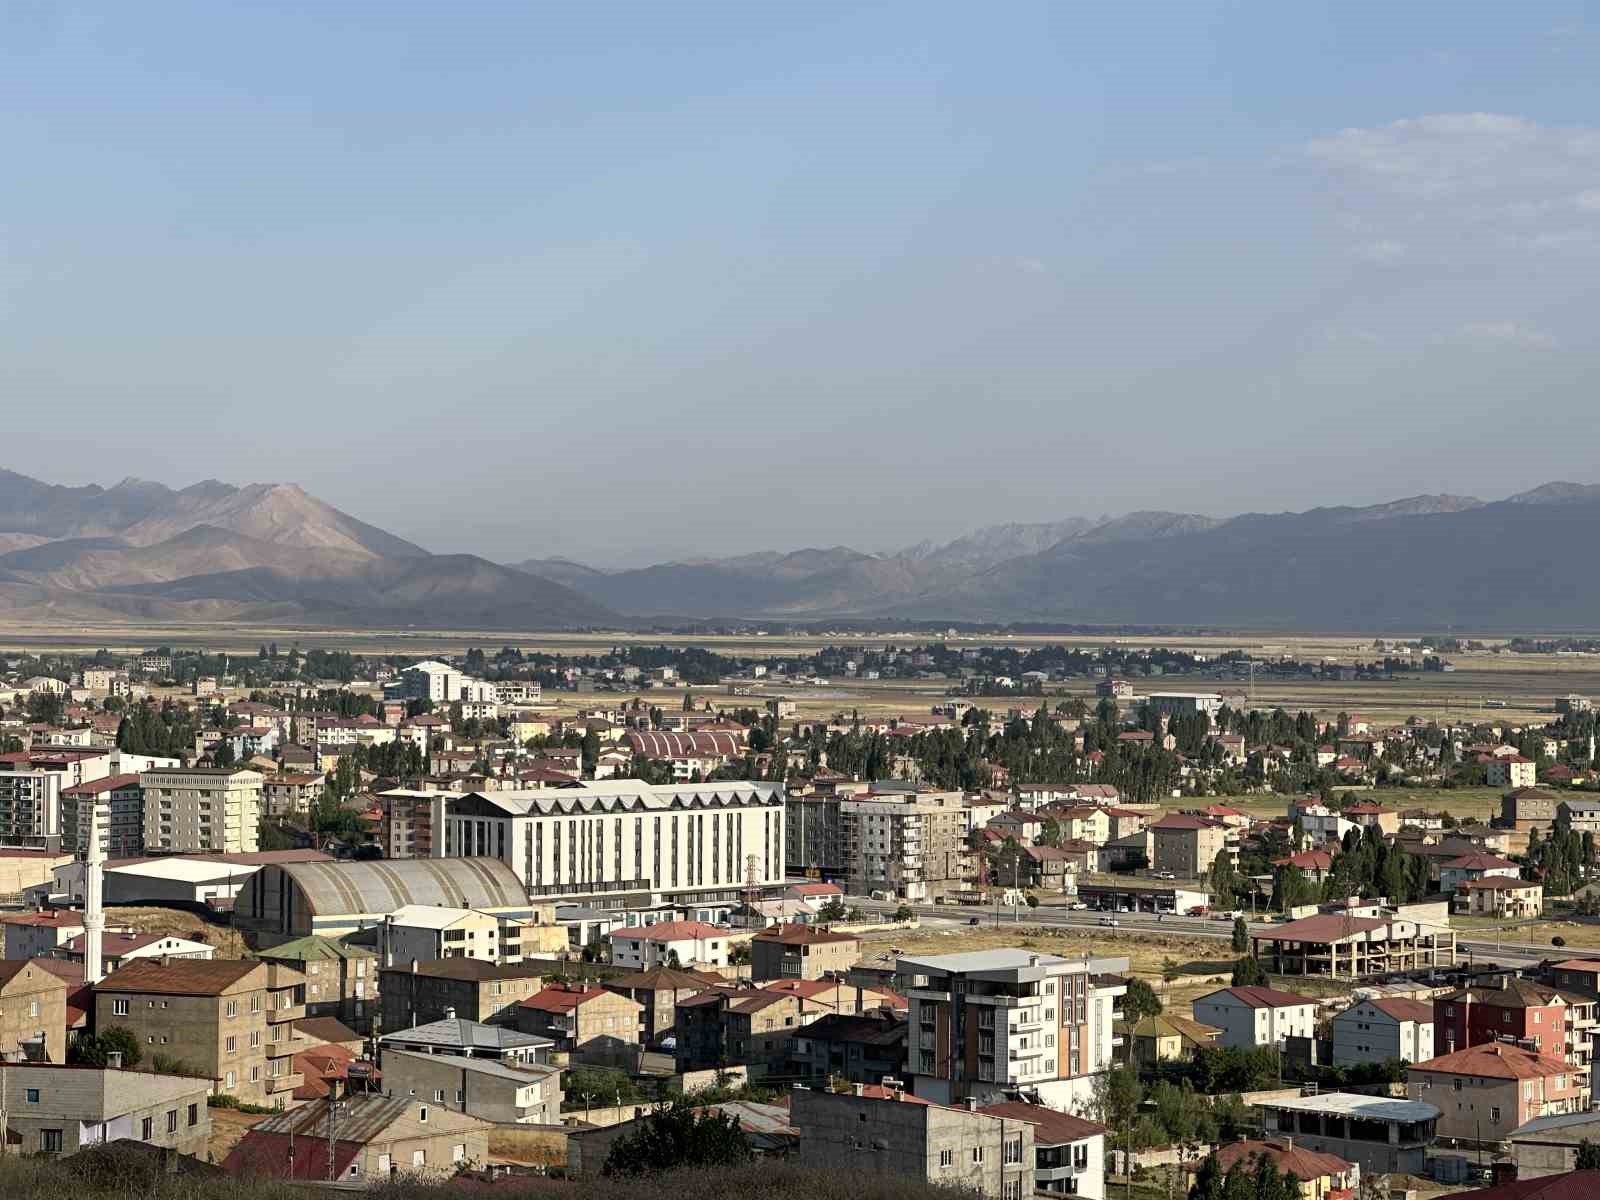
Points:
x=177 y=923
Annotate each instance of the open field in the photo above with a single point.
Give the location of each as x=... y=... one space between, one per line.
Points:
x=1472 y=803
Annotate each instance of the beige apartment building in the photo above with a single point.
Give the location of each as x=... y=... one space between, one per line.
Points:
x=1187 y=845
x=341 y=979
x=33 y=1012
x=230 y=1019
x=202 y=808
x=800 y=952
x=911 y=844
x=52 y=1109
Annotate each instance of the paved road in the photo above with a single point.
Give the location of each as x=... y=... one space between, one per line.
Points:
x=1508 y=952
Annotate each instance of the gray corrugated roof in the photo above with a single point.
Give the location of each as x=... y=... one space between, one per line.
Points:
x=382 y=886
x=458 y=1031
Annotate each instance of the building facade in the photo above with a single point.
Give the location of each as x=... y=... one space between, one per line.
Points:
x=993 y=1021
x=202 y=808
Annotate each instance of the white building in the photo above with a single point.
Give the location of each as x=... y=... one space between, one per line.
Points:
x=429 y=680
x=1511 y=771
x=1256 y=1016
x=989 y=1022
x=1382 y=1028
x=425 y=932
x=669 y=943
x=621 y=838
x=1069 y=1153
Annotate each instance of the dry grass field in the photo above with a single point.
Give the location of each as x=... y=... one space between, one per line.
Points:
x=177 y=923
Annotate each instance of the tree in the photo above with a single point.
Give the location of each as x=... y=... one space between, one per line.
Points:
x=1588 y=1156
x=833 y=910
x=1116 y=1097
x=1141 y=1001
x=96 y=1051
x=904 y=913
x=679 y=1135
x=1248 y=972
x=1241 y=936
x=1224 y=880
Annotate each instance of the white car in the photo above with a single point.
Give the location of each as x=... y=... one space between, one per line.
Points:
x=1079 y=906
x=1112 y=921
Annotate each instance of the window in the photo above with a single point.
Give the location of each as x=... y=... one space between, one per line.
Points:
x=1456 y=1083
x=147 y=1129
x=419 y=1158
x=422 y=1114
x=194 y=1114
x=232 y=1044
x=461 y=1096
x=232 y=1079
x=33 y=1008
x=1013 y=1151
x=172 y=1120
x=33 y=1095
x=458 y=1152
x=947 y=1158
x=383 y=1163
x=119 y=1007
x=231 y=1009
x=255 y=1074
x=1494 y=1112
x=255 y=1038
x=50 y=1141
x=977 y=1154
x=438 y=1096
x=1013 y=1189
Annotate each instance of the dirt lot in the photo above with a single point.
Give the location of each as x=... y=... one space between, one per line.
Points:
x=180 y=924
x=227 y=1127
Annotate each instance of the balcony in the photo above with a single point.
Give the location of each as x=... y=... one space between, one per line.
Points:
x=284 y=1083
x=293 y=1012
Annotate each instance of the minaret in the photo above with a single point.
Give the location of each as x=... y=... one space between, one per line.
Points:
x=94 y=917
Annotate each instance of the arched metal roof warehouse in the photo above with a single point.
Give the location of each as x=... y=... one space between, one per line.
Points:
x=290 y=900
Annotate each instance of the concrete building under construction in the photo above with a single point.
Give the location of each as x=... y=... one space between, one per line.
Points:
x=1351 y=947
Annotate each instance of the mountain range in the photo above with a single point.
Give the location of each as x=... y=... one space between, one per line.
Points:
x=1423 y=562
x=272 y=554
x=267 y=553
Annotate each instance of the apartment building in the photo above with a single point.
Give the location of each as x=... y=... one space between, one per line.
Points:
x=505 y=1093
x=61 y=1109
x=290 y=794
x=341 y=978
x=992 y=1021
x=619 y=841
x=801 y=952
x=202 y=808
x=1484 y=1092
x=30 y=808
x=33 y=1012
x=912 y=845
x=585 y=1021
x=1187 y=845
x=1382 y=1028
x=658 y=993
x=116 y=802
x=475 y=990
x=230 y=1019
x=884 y=1131
x=1256 y=1016
x=1069 y=1153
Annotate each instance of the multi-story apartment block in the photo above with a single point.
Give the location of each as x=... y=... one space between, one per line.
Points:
x=801 y=952
x=995 y=1021
x=290 y=794
x=119 y=802
x=230 y=1019
x=30 y=808
x=202 y=808
x=620 y=840
x=465 y=988
x=912 y=845
x=409 y=819
x=1187 y=845
x=341 y=978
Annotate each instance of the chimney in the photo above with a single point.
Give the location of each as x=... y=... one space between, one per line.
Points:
x=114 y=1060
x=449 y=1013
x=860 y=1089
x=972 y=1104
x=413 y=966
x=1288 y=1142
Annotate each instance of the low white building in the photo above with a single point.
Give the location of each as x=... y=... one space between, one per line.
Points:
x=669 y=943
x=1256 y=1016
x=1069 y=1153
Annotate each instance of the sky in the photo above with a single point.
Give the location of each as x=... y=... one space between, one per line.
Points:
x=628 y=282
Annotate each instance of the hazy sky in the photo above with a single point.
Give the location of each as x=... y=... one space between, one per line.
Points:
x=619 y=280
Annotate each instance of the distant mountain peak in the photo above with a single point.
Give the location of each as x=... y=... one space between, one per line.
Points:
x=1556 y=493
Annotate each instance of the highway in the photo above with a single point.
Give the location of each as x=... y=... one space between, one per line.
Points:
x=1057 y=916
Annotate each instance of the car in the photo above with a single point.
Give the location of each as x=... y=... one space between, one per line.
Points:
x=1078 y=906
x=974 y=920
x=1199 y=910
x=1165 y=875
x=1222 y=916
x=1112 y=921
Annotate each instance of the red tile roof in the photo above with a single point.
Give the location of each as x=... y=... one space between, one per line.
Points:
x=1571 y=1185
x=1403 y=1009
x=94 y=787
x=1481 y=862
x=563 y=998
x=801 y=935
x=1324 y=927
x=1051 y=1128
x=1495 y=1060
x=1289 y=1158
